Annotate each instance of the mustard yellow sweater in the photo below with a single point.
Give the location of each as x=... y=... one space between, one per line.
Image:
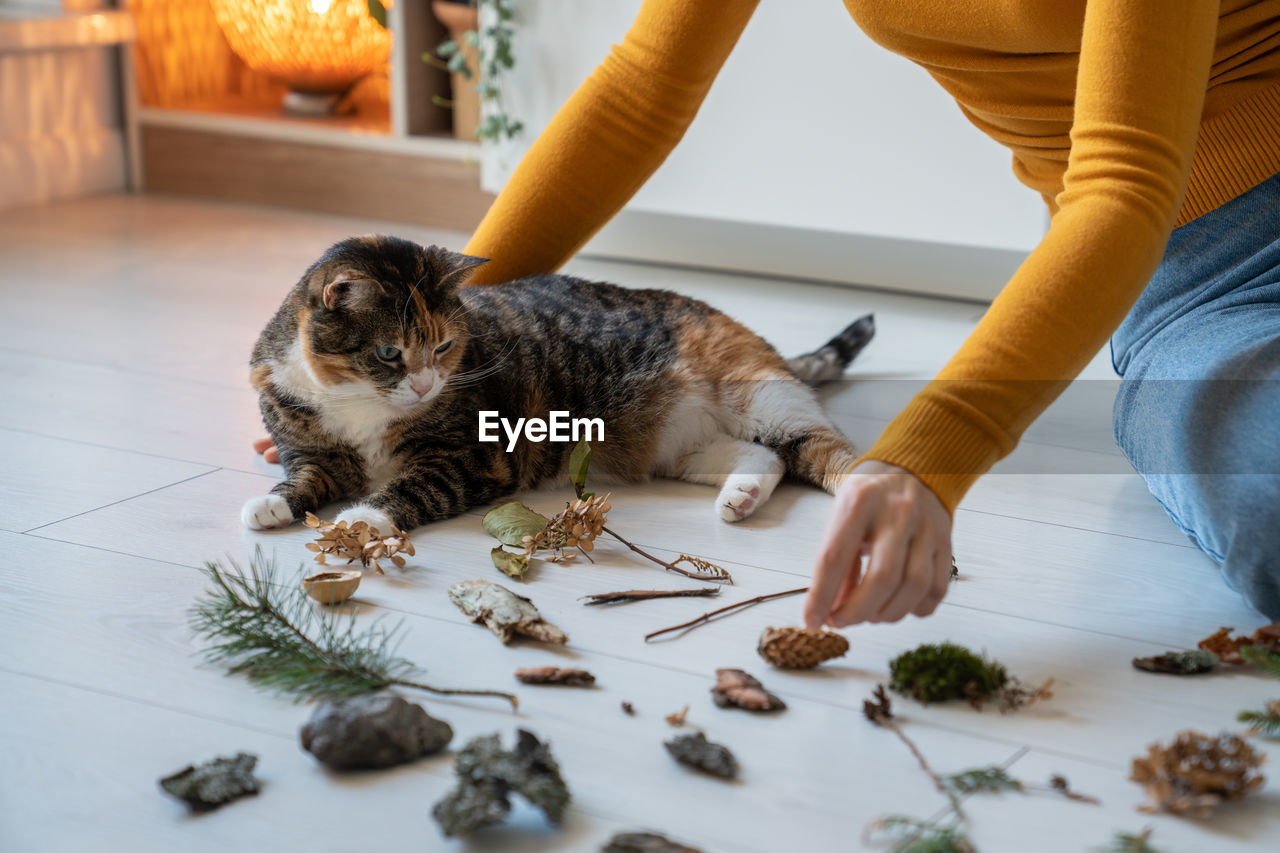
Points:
x=1130 y=117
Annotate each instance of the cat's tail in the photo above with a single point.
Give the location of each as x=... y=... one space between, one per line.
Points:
x=828 y=362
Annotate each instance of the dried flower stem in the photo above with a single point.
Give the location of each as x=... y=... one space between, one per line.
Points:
x=712 y=573
x=723 y=611
x=646 y=594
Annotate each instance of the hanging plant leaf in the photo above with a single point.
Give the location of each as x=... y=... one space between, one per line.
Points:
x=378 y=12
x=579 y=462
x=511 y=522
x=511 y=565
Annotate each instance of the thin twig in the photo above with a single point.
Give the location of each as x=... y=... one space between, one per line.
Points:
x=646 y=594
x=720 y=576
x=711 y=615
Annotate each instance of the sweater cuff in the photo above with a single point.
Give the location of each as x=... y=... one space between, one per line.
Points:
x=944 y=441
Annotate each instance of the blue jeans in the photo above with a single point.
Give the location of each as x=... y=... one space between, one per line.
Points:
x=1198 y=411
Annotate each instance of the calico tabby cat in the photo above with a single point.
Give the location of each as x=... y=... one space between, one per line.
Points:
x=374 y=370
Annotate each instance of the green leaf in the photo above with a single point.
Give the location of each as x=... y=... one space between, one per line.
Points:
x=447 y=49
x=378 y=12
x=511 y=565
x=579 y=462
x=511 y=522
x=458 y=65
x=472 y=38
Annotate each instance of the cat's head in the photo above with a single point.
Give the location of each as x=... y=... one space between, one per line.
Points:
x=381 y=319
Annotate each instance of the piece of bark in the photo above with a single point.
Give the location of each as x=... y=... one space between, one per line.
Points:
x=503 y=612
x=699 y=753
x=1179 y=663
x=206 y=786
x=555 y=675
x=487 y=777
x=372 y=731
x=645 y=842
x=735 y=688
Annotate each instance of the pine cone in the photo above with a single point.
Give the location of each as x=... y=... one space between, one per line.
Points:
x=1197 y=772
x=797 y=648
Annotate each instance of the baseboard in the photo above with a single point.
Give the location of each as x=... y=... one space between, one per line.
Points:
x=938 y=269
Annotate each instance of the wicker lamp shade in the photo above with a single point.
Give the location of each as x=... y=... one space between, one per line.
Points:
x=315 y=46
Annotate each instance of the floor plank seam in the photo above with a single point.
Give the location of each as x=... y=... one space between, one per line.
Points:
x=118 y=448
x=1081 y=529
x=123 y=500
x=128 y=371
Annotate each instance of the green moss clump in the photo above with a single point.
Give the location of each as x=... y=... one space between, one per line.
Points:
x=942 y=671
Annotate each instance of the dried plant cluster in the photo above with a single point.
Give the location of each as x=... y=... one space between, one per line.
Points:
x=1230 y=649
x=575 y=526
x=357 y=543
x=1196 y=773
x=799 y=648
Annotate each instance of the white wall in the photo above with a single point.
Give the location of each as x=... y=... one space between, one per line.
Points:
x=811 y=134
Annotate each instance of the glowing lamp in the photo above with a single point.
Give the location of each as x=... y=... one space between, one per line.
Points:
x=319 y=48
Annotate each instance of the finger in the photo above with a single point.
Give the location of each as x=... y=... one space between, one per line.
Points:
x=839 y=556
x=941 y=580
x=272 y=455
x=883 y=576
x=262 y=444
x=851 y=579
x=917 y=580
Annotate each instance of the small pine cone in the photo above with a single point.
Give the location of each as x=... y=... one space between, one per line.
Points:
x=797 y=648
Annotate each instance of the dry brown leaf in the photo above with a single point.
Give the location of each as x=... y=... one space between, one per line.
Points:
x=677 y=718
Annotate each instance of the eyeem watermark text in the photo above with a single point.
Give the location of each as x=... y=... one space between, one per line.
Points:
x=558 y=427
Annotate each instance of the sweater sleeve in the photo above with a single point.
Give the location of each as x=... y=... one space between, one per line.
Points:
x=609 y=137
x=1144 y=66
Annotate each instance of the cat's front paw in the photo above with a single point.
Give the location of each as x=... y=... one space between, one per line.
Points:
x=371 y=516
x=266 y=512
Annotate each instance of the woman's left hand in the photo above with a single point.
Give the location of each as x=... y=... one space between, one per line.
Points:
x=885 y=512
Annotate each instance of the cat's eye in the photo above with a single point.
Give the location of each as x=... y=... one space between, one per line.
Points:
x=444 y=347
x=387 y=353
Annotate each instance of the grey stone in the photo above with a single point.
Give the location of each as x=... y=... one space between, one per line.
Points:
x=372 y=731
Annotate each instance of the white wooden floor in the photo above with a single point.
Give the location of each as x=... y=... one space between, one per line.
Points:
x=125 y=422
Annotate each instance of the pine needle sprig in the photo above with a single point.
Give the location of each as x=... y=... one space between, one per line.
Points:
x=1265 y=722
x=1267 y=661
x=273 y=635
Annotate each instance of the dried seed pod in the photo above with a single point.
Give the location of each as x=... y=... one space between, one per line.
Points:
x=699 y=753
x=332 y=587
x=555 y=675
x=737 y=689
x=1197 y=773
x=798 y=648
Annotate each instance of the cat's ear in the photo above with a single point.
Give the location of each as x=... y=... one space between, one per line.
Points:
x=343 y=290
x=452 y=268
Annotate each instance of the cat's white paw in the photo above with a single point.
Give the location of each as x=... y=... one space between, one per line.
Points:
x=369 y=515
x=740 y=497
x=266 y=512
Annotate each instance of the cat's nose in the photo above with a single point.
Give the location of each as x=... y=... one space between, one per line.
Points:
x=422 y=385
